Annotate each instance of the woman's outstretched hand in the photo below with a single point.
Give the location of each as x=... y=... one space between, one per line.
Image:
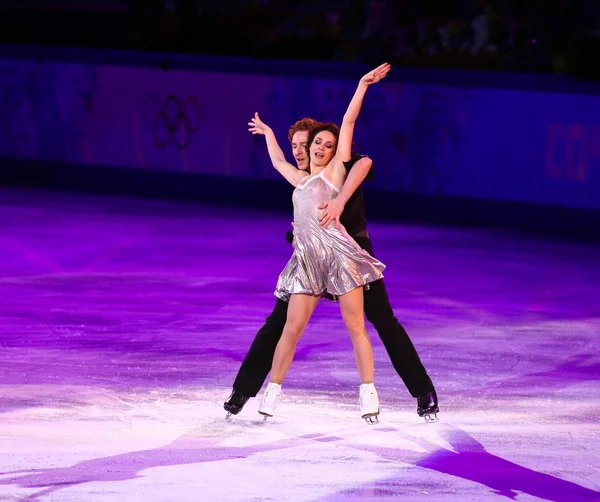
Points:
x=257 y=126
x=376 y=75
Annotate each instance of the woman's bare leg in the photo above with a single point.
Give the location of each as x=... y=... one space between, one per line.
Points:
x=351 y=306
x=300 y=309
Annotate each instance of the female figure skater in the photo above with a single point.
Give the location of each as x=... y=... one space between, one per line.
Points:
x=325 y=259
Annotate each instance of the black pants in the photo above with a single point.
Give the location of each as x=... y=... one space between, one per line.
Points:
x=402 y=353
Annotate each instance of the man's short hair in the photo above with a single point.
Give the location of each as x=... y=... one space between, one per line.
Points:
x=305 y=124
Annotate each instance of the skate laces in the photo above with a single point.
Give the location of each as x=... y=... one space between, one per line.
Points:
x=366 y=398
x=367 y=395
x=273 y=395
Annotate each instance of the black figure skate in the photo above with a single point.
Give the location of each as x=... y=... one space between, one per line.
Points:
x=427 y=407
x=234 y=404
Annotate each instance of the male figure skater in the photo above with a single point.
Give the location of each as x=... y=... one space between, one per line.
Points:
x=348 y=209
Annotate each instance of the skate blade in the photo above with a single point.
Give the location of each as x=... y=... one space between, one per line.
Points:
x=431 y=418
x=371 y=419
x=265 y=416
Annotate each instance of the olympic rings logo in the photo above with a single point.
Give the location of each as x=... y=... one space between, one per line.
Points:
x=176 y=122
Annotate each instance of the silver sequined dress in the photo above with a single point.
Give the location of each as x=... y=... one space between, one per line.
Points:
x=324 y=259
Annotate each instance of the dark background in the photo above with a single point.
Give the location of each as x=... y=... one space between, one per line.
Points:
x=542 y=36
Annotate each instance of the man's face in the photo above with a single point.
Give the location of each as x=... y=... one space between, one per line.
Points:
x=299 y=140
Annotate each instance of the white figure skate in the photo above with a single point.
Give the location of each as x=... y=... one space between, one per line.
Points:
x=271 y=398
x=369 y=403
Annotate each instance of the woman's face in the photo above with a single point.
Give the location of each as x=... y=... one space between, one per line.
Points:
x=322 y=149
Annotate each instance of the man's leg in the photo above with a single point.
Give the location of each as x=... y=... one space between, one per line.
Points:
x=396 y=341
x=258 y=360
